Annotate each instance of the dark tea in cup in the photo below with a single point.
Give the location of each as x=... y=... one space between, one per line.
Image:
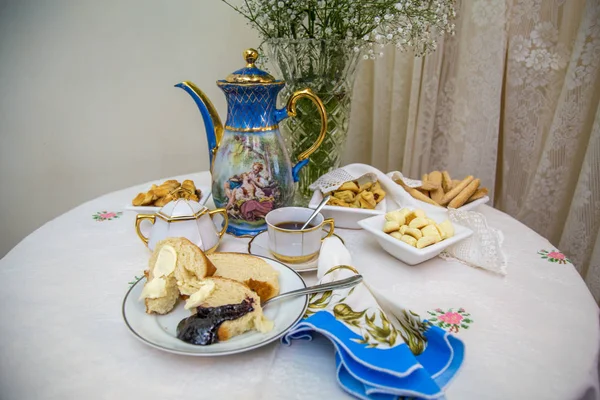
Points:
x=293 y=226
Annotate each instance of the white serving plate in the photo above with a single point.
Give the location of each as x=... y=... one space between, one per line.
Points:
x=206 y=192
x=159 y=331
x=345 y=217
x=405 y=252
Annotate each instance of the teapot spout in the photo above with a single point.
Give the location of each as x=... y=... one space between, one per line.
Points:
x=212 y=122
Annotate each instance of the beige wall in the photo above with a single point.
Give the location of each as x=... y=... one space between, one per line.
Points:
x=87 y=103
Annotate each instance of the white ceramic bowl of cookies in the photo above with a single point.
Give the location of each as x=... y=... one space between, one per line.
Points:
x=345 y=217
x=405 y=252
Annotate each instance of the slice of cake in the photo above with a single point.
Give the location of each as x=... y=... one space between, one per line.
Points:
x=176 y=267
x=253 y=271
x=223 y=308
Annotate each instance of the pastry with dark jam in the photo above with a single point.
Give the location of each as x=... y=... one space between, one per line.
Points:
x=202 y=327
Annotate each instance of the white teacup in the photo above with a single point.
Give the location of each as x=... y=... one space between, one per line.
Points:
x=295 y=246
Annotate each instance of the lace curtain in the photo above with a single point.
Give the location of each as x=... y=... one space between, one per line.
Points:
x=513 y=98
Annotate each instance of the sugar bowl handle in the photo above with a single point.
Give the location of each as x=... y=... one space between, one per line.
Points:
x=138 y=220
x=291 y=112
x=225 y=219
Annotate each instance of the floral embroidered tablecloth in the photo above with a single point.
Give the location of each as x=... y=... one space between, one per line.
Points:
x=533 y=334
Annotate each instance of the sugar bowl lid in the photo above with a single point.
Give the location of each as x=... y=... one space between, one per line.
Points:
x=181 y=210
x=250 y=73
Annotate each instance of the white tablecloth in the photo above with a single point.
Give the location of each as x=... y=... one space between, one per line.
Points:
x=533 y=334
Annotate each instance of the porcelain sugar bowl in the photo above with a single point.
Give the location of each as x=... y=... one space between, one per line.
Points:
x=184 y=218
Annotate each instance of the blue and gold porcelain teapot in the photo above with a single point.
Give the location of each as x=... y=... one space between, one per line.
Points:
x=251 y=169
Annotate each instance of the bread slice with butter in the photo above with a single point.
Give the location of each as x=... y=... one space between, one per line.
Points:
x=218 y=291
x=176 y=267
x=255 y=272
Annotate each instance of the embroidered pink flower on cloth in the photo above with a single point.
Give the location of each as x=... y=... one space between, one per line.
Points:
x=106 y=215
x=554 y=256
x=450 y=319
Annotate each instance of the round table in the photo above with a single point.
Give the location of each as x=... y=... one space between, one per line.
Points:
x=533 y=334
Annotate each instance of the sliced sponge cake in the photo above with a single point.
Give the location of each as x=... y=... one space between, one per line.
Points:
x=253 y=271
x=176 y=266
x=228 y=291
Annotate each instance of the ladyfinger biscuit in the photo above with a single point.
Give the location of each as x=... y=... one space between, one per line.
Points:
x=415 y=193
x=446 y=181
x=428 y=185
x=455 y=183
x=435 y=178
x=425 y=192
x=464 y=195
x=479 y=193
x=420 y=196
x=456 y=190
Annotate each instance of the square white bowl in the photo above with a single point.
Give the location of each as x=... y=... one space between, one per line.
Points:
x=206 y=192
x=403 y=251
x=345 y=217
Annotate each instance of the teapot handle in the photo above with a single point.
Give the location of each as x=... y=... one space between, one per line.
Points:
x=225 y=219
x=291 y=112
x=138 y=220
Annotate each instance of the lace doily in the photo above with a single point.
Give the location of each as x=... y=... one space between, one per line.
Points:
x=483 y=249
x=336 y=178
x=407 y=181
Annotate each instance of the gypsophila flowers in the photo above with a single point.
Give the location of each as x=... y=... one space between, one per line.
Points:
x=404 y=23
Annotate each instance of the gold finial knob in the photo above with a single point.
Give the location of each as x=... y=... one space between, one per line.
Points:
x=250 y=56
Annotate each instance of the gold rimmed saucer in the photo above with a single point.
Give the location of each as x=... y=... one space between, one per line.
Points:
x=259 y=246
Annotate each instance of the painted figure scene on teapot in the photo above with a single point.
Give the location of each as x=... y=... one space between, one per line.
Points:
x=253 y=178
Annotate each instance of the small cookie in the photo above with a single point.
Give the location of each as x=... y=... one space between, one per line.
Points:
x=425 y=241
x=414 y=232
x=396 y=235
x=418 y=223
x=391 y=226
x=409 y=239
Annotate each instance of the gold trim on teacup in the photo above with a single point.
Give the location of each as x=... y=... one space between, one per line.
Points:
x=295 y=259
x=314 y=228
x=267 y=232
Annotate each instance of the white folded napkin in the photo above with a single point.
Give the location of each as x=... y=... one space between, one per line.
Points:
x=378 y=355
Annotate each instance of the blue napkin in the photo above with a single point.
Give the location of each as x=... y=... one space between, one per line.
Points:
x=379 y=355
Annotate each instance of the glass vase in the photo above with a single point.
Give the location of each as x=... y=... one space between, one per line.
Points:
x=328 y=68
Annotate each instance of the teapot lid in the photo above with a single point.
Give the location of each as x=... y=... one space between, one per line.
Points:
x=250 y=73
x=181 y=209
